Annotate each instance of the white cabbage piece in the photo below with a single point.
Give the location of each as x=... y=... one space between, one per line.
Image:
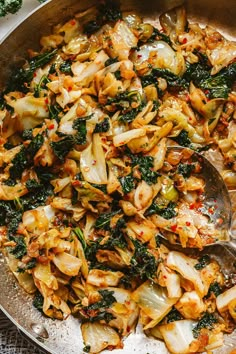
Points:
x=67 y=264
x=153 y=300
x=99 y=336
x=43 y=273
x=185 y=266
x=104 y=278
x=123 y=40
x=25 y=279
x=162 y=56
x=127 y=136
x=125 y=311
x=93 y=163
x=38 y=219
x=223 y=300
x=191 y=305
x=178 y=335
x=30 y=110
x=12 y=192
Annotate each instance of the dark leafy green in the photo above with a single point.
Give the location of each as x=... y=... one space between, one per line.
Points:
x=145 y=165
x=30 y=265
x=167 y=213
x=143 y=263
x=203 y=262
x=20 y=249
x=127 y=183
x=214 y=288
x=174 y=315
x=183 y=139
x=21 y=77
x=207 y=321
x=65 y=67
x=103 y=126
x=185 y=169
x=97 y=311
x=38 y=301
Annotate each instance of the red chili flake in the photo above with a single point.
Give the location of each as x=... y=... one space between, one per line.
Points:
x=173 y=228
x=139 y=55
x=76 y=183
x=185 y=41
x=69 y=88
x=211 y=210
x=35 y=74
x=207 y=92
x=94 y=162
x=128 y=328
x=72 y=22
x=141 y=233
x=46 y=100
x=164 y=276
x=188 y=223
x=187 y=98
x=51 y=126
x=220 y=221
x=192 y=206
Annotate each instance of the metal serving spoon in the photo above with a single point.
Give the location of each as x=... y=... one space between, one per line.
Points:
x=216 y=197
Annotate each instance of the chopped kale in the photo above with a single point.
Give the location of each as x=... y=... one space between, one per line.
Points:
x=62 y=147
x=21 y=77
x=167 y=213
x=30 y=265
x=107 y=12
x=19 y=163
x=218 y=85
x=54 y=111
x=203 y=262
x=127 y=183
x=9 y=7
x=44 y=174
x=79 y=234
x=97 y=311
x=103 y=126
x=143 y=263
x=207 y=321
x=80 y=125
x=214 y=288
x=174 y=315
x=145 y=165
x=38 y=301
x=41 y=85
x=20 y=249
x=160 y=36
x=32 y=185
x=103 y=221
x=8 y=145
x=24 y=158
x=183 y=139
x=65 y=67
x=27 y=134
x=171 y=79
x=111 y=61
x=185 y=169
x=86 y=349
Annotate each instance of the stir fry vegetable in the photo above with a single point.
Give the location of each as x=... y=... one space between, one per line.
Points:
x=88 y=182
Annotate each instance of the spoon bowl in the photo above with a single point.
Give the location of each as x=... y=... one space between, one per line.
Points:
x=216 y=201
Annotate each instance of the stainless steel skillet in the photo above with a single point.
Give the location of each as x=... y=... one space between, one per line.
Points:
x=64 y=337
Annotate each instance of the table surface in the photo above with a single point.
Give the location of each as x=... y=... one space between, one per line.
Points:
x=11 y=340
